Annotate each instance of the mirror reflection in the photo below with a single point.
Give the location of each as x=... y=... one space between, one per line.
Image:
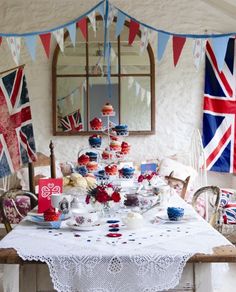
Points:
x=80 y=86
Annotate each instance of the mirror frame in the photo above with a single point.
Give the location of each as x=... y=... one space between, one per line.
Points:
x=86 y=75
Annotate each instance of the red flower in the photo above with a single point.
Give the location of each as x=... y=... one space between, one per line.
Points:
x=87 y=200
x=102 y=196
x=149 y=177
x=115 y=197
x=140 y=178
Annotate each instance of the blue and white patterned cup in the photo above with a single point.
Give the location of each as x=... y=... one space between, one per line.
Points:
x=175 y=213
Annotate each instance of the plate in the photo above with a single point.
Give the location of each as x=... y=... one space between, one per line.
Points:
x=73 y=225
x=39 y=220
x=166 y=220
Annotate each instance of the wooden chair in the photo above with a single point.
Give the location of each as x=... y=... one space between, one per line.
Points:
x=211 y=197
x=173 y=181
x=13 y=212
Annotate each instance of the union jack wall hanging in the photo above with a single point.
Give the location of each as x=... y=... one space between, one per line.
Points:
x=72 y=122
x=17 y=145
x=219 y=111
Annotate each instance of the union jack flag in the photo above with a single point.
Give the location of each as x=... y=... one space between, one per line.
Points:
x=17 y=145
x=219 y=111
x=72 y=122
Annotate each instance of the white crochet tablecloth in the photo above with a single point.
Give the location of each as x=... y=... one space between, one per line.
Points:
x=148 y=259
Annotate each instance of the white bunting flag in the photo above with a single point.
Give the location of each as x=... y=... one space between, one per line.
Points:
x=111 y=14
x=198 y=52
x=144 y=38
x=130 y=82
x=59 y=36
x=112 y=54
x=14 y=45
x=92 y=19
x=143 y=93
x=148 y=98
x=152 y=36
x=137 y=88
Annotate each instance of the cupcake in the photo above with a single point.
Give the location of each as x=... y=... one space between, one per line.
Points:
x=83 y=159
x=101 y=174
x=51 y=214
x=95 y=141
x=127 y=172
x=121 y=130
x=92 y=156
x=107 y=109
x=96 y=124
x=92 y=166
x=125 y=147
x=111 y=169
x=81 y=170
x=115 y=145
x=106 y=154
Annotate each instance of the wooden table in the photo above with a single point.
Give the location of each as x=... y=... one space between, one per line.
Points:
x=33 y=276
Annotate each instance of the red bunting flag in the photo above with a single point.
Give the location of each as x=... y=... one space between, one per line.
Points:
x=133 y=30
x=82 y=24
x=0 y=40
x=178 y=44
x=46 y=41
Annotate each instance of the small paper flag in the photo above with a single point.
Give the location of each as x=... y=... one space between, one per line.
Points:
x=14 y=45
x=198 y=52
x=82 y=24
x=130 y=82
x=0 y=40
x=219 y=46
x=31 y=45
x=133 y=30
x=144 y=38
x=100 y=9
x=143 y=93
x=92 y=18
x=120 y=23
x=137 y=88
x=111 y=14
x=161 y=44
x=46 y=41
x=178 y=44
x=72 y=32
x=59 y=36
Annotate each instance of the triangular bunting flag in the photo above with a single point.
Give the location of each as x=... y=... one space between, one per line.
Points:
x=178 y=44
x=130 y=82
x=144 y=38
x=198 y=52
x=161 y=44
x=133 y=30
x=31 y=45
x=137 y=88
x=72 y=32
x=59 y=36
x=111 y=14
x=14 y=45
x=219 y=46
x=92 y=18
x=82 y=24
x=100 y=9
x=148 y=98
x=120 y=23
x=46 y=41
x=143 y=93
x=0 y=40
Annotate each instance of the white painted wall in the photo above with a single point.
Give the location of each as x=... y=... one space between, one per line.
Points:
x=179 y=91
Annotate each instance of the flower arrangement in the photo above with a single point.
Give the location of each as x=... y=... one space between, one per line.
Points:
x=147 y=178
x=103 y=194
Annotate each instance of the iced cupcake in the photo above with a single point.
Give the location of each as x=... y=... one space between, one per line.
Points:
x=115 y=145
x=95 y=141
x=96 y=124
x=107 y=109
x=92 y=166
x=111 y=169
x=83 y=160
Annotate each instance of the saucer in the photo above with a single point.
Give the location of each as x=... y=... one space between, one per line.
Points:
x=72 y=224
x=39 y=220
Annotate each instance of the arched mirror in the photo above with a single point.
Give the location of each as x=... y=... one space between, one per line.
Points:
x=80 y=86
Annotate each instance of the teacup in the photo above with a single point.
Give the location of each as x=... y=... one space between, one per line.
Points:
x=85 y=219
x=175 y=213
x=133 y=220
x=61 y=202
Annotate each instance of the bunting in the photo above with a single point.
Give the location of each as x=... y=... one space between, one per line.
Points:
x=133 y=30
x=148 y=35
x=178 y=44
x=46 y=41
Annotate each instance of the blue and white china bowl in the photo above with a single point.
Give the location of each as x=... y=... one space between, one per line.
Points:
x=175 y=213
